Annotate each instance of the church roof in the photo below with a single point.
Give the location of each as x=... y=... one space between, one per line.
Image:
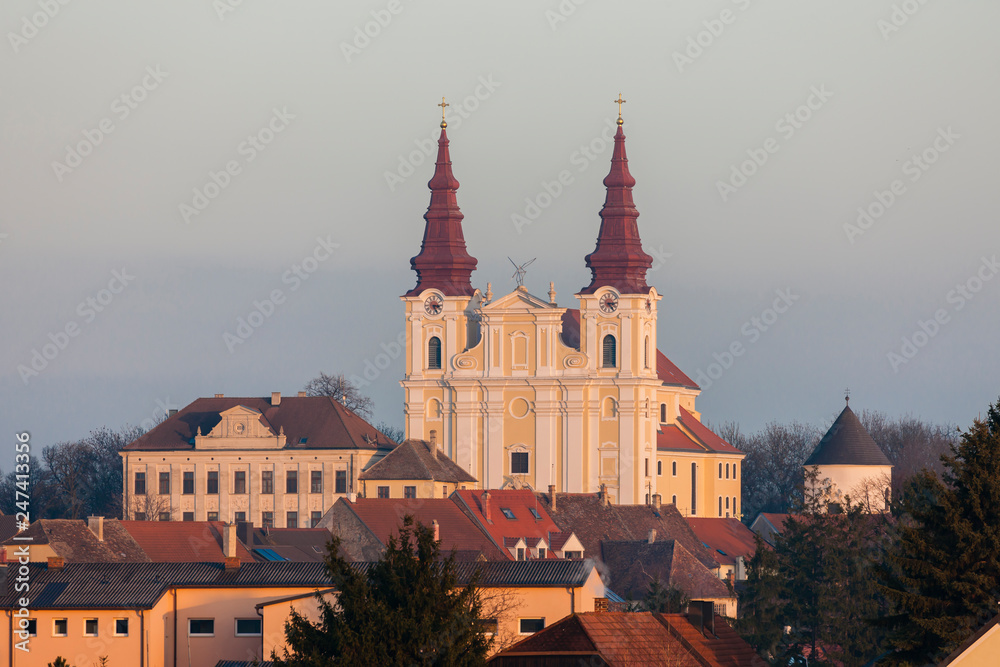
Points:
x=847 y=443
x=309 y=422
x=416 y=459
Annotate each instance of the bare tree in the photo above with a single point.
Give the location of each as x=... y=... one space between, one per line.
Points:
x=501 y=605
x=148 y=507
x=772 y=469
x=909 y=443
x=342 y=390
x=394 y=433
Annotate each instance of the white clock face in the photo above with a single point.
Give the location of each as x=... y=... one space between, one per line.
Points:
x=609 y=303
x=433 y=305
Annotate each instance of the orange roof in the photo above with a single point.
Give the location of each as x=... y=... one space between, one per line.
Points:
x=670 y=374
x=183 y=541
x=519 y=502
x=711 y=441
x=728 y=538
x=672 y=437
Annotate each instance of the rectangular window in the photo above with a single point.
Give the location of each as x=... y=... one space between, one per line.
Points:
x=201 y=627
x=573 y=555
x=541 y=553
x=489 y=626
x=267 y=481
x=240 y=481
x=316 y=482
x=534 y=513
x=164 y=516
x=647 y=467
x=531 y=625
x=213 y=516
x=315 y=519
x=267 y=519
x=444 y=490
x=340 y=481
x=249 y=627
x=60 y=627
x=383 y=492
x=292 y=520
x=140 y=516
x=90 y=627
x=508 y=513
x=188 y=516
x=187 y=487
x=519 y=463
x=240 y=516
x=140 y=484
x=164 y=483
x=291 y=481
x=520 y=554
x=121 y=627
x=32 y=627
x=409 y=492
x=213 y=482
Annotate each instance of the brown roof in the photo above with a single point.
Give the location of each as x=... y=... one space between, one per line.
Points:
x=729 y=538
x=292 y=544
x=633 y=565
x=182 y=541
x=309 y=422
x=417 y=459
x=631 y=638
x=847 y=443
x=586 y=516
x=72 y=540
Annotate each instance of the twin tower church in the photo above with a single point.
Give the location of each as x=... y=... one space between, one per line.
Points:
x=522 y=392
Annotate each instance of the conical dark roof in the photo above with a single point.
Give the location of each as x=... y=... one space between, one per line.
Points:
x=847 y=443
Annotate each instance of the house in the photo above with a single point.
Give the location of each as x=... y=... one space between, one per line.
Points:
x=518 y=524
x=979 y=650
x=632 y=566
x=630 y=639
x=366 y=524
x=853 y=463
x=415 y=469
x=769 y=525
x=187 y=541
x=731 y=543
x=306 y=545
x=526 y=393
x=276 y=462
x=97 y=540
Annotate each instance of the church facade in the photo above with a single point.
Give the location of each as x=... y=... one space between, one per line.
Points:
x=524 y=393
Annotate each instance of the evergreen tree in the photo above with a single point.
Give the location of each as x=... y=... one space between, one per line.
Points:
x=943 y=571
x=761 y=602
x=664 y=599
x=405 y=609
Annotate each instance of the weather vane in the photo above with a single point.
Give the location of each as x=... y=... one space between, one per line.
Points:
x=445 y=104
x=519 y=271
x=620 y=102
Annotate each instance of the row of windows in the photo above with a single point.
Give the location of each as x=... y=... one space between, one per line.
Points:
x=673 y=469
x=721 y=498
x=609 y=348
x=240 y=482
x=197 y=627
x=267 y=518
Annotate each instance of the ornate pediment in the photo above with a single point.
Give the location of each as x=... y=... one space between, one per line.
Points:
x=520 y=299
x=240 y=427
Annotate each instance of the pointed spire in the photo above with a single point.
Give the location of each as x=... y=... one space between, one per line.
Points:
x=618 y=260
x=443 y=262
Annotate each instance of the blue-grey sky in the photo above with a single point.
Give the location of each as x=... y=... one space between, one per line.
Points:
x=166 y=167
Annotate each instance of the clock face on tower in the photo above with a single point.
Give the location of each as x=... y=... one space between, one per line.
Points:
x=433 y=305
x=609 y=303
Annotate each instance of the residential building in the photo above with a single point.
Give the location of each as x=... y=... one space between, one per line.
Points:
x=307 y=545
x=524 y=393
x=275 y=462
x=415 y=469
x=731 y=543
x=769 y=525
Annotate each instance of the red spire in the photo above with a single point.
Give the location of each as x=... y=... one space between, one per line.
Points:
x=618 y=260
x=443 y=262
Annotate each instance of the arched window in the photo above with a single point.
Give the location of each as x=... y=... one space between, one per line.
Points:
x=663 y=413
x=734 y=506
x=659 y=467
x=720 y=471
x=720 y=505
x=610 y=352
x=673 y=501
x=727 y=471
x=646 y=353
x=674 y=468
x=694 y=488
x=734 y=470
x=434 y=352
x=727 y=503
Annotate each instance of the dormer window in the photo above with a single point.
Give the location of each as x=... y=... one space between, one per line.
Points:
x=510 y=515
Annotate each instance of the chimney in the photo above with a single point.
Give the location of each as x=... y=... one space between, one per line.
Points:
x=219 y=395
x=486 y=506
x=244 y=532
x=604 y=495
x=96 y=525
x=552 y=496
x=434 y=443
x=437 y=530
x=275 y=398
x=701 y=614
x=302 y=394
x=600 y=604
x=171 y=412
x=652 y=536
x=229 y=540
x=232 y=564
x=56 y=563
x=656 y=502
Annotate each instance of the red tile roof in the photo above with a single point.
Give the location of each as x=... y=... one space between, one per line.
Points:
x=670 y=374
x=520 y=502
x=728 y=538
x=384 y=516
x=309 y=422
x=725 y=649
x=671 y=437
x=183 y=541
x=711 y=441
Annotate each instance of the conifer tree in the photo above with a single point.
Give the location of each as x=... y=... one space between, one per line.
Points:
x=405 y=609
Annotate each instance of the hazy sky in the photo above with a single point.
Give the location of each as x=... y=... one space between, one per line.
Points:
x=166 y=167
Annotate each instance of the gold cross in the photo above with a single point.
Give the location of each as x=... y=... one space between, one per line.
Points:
x=620 y=102
x=445 y=104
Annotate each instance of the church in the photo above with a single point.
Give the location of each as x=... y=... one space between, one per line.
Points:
x=524 y=393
